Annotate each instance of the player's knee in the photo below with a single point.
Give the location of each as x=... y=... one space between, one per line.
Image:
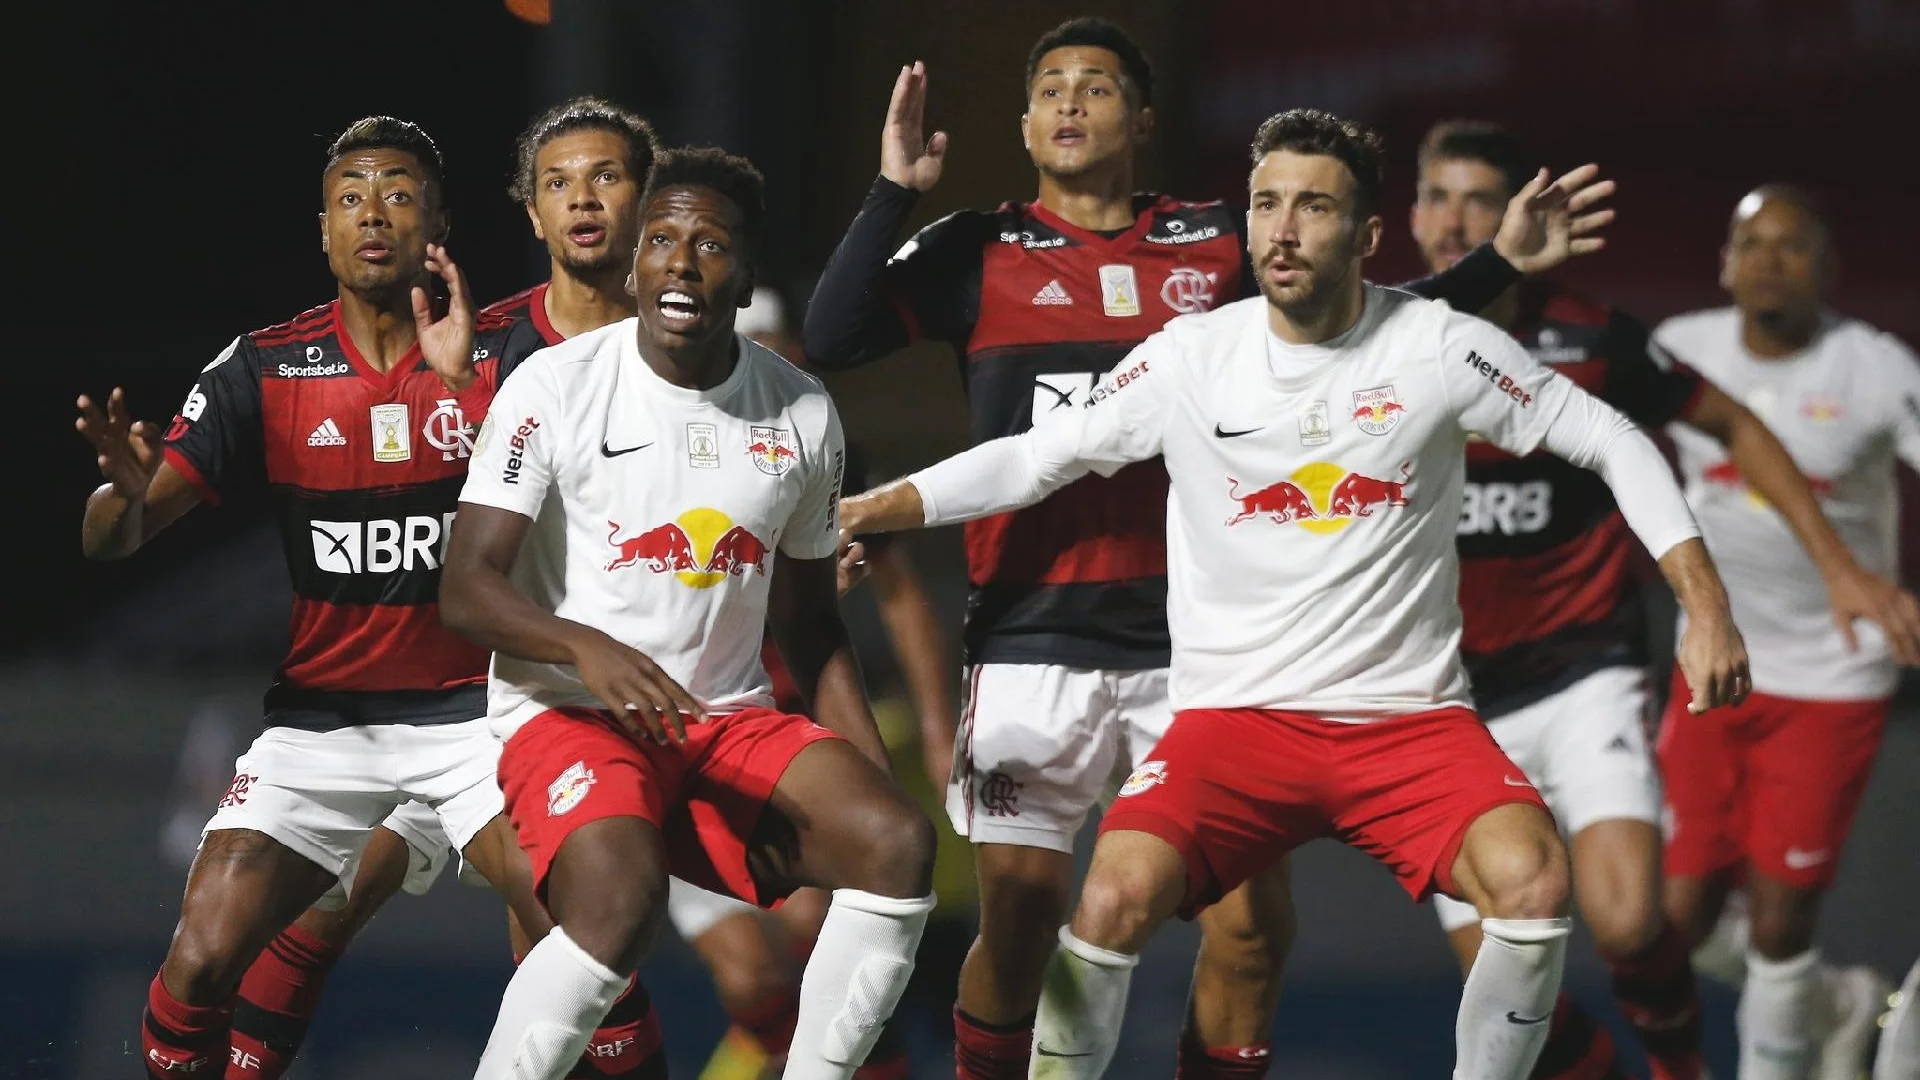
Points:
x=618 y=919
x=1022 y=904
x=1525 y=878
x=206 y=962
x=1782 y=923
x=1117 y=907
x=1624 y=922
x=896 y=845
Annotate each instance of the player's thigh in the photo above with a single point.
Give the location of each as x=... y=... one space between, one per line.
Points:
x=1806 y=776
x=318 y=794
x=1038 y=745
x=1587 y=749
x=244 y=887
x=835 y=820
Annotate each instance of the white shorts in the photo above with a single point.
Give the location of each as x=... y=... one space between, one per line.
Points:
x=1586 y=750
x=322 y=792
x=695 y=910
x=429 y=849
x=1040 y=744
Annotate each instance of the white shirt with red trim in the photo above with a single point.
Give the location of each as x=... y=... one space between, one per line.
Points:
x=1845 y=407
x=1316 y=490
x=657 y=510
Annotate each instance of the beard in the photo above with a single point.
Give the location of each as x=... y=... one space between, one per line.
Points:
x=590 y=263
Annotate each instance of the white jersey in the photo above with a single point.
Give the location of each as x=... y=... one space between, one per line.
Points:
x=656 y=509
x=1316 y=490
x=1843 y=408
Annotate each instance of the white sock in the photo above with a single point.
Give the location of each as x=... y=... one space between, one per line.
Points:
x=1723 y=956
x=556 y=999
x=1507 y=1004
x=858 y=970
x=1777 y=1015
x=1899 y=1056
x=1082 y=1002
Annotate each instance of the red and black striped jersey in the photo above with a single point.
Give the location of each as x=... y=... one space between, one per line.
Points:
x=1039 y=309
x=1549 y=586
x=529 y=305
x=363 y=470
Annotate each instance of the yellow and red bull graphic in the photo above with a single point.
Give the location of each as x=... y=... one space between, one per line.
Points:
x=1727 y=474
x=701 y=547
x=1320 y=497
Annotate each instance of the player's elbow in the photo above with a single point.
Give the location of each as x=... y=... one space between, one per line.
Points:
x=460 y=608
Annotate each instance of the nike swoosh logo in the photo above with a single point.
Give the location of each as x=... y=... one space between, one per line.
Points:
x=608 y=451
x=1044 y=1052
x=1516 y=1018
x=1222 y=433
x=1511 y=782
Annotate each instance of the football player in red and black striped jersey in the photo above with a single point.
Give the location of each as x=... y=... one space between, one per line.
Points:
x=1554 y=633
x=355 y=421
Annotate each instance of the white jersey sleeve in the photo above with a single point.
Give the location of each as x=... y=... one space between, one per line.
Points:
x=513 y=456
x=813 y=532
x=1123 y=421
x=1903 y=393
x=1496 y=388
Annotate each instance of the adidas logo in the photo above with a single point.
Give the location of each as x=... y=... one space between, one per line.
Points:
x=1052 y=295
x=326 y=435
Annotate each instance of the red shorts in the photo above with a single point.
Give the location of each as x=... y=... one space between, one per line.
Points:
x=567 y=767
x=1234 y=789
x=1772 y=783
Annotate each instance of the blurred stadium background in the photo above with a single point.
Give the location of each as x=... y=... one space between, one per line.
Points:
x=168 y=158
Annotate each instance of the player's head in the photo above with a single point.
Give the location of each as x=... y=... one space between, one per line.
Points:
x=1779 y=257
x=1089 y=98
x=579 y=169
x=1313 y=206
x=383 y=201
x=1468 y=171
x=703 y=213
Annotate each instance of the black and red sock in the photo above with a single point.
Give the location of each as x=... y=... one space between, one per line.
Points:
x=1657 y=992
x=180 y=1040
x=983 y=1051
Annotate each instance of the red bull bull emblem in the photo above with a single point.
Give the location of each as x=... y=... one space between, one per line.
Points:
x=1320 y=497
x=772 y=449
x=1376 y=411
x=701 y=547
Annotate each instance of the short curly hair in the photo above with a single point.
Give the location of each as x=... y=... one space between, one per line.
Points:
x=581 y=114
x=1316 y=131
x=728 y=174
x=1099 y=33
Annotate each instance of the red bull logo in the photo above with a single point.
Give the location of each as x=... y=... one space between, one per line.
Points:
x=772 y=449
x=701 y=547
x=1320 y=497
x=1376 y=411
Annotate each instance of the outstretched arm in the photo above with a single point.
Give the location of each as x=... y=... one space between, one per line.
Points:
x=143 y=494
x=1853 y=591
x=803 y=612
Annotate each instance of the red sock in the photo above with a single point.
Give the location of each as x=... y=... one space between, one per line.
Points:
x=771 y=1022
x=1199 y=1062
x=278 y=997
x=1657 y=993
x=180 y=1039
x=983 y=1051
x=1577 y=1048
x=886 y=1061
x=627 y=1043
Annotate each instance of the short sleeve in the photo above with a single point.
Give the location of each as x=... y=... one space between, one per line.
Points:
x=813 y=529
x=1644 y=380
x=1496 y=388
x=933 y=281
x=216 y=440
x=513 y=456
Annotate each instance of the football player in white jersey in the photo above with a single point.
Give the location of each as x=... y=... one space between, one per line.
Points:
x=1764 y=794
x=1314 y=437
x=645 y=500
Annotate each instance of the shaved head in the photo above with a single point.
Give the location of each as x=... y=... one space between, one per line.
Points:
x=1809 y=206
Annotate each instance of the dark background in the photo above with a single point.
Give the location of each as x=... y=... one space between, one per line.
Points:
x=167 y=163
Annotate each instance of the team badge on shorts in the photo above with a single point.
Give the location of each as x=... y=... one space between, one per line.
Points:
x=1147 y=775
x=569 y=789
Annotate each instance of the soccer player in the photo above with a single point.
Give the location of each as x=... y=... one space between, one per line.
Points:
x=1899 y=1055
x=1554 y=634
x=1767 y=792
x=353 y=420
x=1314 y=438
x=645 y=499
x=1066 y=632
x=590 y=159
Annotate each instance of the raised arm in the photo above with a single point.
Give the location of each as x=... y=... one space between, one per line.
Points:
x=1545 y=224
x=142 y=495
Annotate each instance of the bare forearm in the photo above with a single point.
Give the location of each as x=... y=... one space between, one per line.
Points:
x=922 y=649
x=1689 y=570
x=111 y=527
x=1770 y=471
x=484 y=607
x=894 y=507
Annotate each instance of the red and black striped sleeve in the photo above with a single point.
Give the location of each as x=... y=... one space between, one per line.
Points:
x=216 y=440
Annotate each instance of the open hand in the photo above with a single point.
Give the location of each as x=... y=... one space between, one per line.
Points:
x=127 y=451
x=1548 y=223
x=907 y=157
x=1862 y=594
x=446 y=343
x=643 y=698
